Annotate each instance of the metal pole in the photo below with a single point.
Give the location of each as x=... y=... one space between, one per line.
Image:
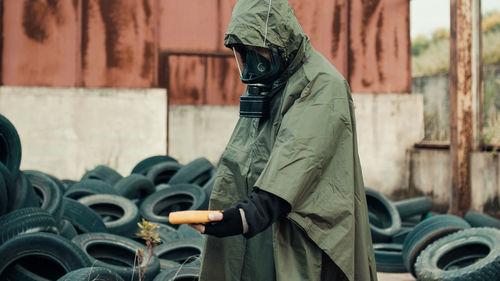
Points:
x=461 y=104
x=477 y=72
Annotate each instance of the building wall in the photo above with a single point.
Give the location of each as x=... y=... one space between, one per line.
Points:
x=80 y=43
x=66 y=131
x=430 y=170
x=365 y=41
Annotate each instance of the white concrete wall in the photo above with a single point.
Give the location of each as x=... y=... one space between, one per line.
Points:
x=388 y=126
x=66 y=131
x=430 y=171
x=200 y=131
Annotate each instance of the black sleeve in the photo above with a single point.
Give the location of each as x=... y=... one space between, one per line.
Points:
x=261 y=210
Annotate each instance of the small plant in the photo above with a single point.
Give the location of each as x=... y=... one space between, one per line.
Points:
x=149 y=233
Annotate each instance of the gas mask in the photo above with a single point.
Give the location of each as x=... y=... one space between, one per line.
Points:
x=259 y=68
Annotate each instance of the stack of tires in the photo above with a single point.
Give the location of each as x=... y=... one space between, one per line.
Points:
x=53 y=229
x=407 y=237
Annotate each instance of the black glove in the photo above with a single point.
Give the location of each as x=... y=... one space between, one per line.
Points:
x=231 y=224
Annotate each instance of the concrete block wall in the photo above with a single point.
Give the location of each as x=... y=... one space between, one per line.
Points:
x=430 y=176
x=66 y=131
x=388 y=126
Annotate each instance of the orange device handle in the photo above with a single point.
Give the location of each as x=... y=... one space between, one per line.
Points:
x=190 y=216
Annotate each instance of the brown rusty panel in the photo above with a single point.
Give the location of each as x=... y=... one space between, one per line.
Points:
x=194 y=25
x=223 y=84
x=326 y=23
x=119 y=43
x=186 y=79
x=379 y=46
x=41 y=43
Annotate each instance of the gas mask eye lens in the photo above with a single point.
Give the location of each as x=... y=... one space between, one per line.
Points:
x=261 y=67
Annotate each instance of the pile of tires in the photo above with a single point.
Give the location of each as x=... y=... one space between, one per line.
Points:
x=407 y=237
x=52 y=229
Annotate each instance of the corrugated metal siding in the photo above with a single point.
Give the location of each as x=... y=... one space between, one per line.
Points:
x=119 y=43
x=90 y=43
x=379 y=46
x=366 y=40
x=100 y=43
x=41 y=43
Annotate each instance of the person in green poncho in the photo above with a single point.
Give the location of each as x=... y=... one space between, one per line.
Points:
x=289 y=180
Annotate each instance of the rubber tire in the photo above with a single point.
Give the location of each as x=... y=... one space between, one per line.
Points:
x=26 y=220
x=66 y=229
x=10 y=146
x=198 y=171
x=116 y=206
x=414 y=206
x=19 y=273
x=4 y=196
x=427 y=232
x=89 y=187
x=476 y=219
x=135 y=186
x=184 y=251
x=179 y=197
x=399 y=238
x=462 y=244
x=161 y=173
x=176 y=274
x=119 y=249
x=83 y=218
x=188 y=232
x=92 y=273
x=168 y=234
x=59 y=249
x=386 y=212
x=144 y=166
x=389 y=258
x=48 y=191
x=9 y=186
x=24 y=194
x=103 y=173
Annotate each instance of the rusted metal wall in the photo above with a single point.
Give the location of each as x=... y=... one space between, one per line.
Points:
x=119 y=43
x=41 y=43
x=195 y=66
x=379 y=46
x=89 y=43
x=101 y=43
x=367 y=41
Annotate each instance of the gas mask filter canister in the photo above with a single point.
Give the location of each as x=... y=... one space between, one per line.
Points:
x=255 y=103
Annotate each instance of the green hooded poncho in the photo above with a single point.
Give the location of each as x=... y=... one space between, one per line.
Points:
x=305 y=152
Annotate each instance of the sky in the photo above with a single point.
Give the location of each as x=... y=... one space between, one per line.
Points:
x=428 y=15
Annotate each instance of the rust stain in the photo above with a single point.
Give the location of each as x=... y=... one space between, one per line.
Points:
x=378 y=45
x=336 y=28
x=148 y=57
x=135 y=22
x=115 y=17
x=492 y=207
x=396 y=44
x=369 y=9
x=85 y=32
x=223 y=68
x=147 y=9
x=35 y=20
x=366 y=83
x=75 y=4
